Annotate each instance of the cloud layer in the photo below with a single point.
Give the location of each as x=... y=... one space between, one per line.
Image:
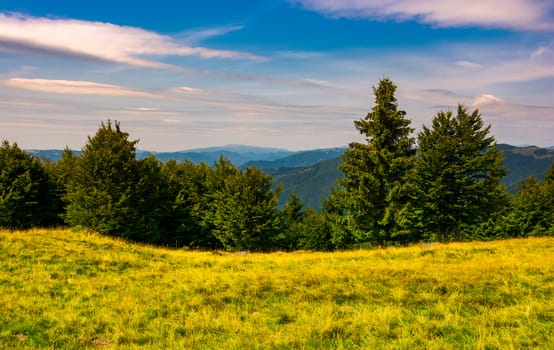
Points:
x=96 y=40
x=513 y=14
x=73 y=87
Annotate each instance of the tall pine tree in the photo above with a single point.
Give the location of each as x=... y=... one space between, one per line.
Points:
x=364 y=208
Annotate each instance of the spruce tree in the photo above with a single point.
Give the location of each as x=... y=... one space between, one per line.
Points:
x=456 y=178
x=364 y=207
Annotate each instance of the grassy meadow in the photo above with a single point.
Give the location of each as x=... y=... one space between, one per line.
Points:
x=68 y=289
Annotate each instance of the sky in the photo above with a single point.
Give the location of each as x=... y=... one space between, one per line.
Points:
x=291 y=74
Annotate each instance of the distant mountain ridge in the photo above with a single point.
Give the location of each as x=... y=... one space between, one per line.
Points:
x=298 y=159
x=314 y=183
x=313 y=173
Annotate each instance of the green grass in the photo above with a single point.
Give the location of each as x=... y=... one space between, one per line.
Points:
x=61 y=289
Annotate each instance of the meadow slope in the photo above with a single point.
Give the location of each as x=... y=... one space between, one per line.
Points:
x=66 y=290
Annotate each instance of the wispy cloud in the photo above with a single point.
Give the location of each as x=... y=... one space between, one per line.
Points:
x=468 y=65
x=73 y=87
x=197 y=36
x=99 y=41
x=513 y=14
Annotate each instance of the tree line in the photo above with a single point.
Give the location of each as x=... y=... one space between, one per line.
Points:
x=394 y=191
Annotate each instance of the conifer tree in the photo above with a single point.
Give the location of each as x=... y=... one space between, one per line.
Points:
x=25 y=198
x=364 y=208
x=456 y=177
x=108 y=191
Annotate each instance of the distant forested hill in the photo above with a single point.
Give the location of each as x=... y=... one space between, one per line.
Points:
x=314 y=183
x=313 y=173
x=298 y=159
x=523 y=162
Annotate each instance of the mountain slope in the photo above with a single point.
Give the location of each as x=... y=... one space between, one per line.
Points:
x=298 y=159
x=523 y=162
x=314 y=183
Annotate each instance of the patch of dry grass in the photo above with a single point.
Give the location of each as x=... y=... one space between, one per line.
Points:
x=65 y=289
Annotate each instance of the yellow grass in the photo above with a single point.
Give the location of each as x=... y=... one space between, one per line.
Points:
x=69 y=290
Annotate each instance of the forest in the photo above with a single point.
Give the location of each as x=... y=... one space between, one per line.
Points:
x=441 y=185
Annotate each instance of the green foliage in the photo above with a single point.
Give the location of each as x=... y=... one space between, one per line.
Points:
x=25 y=197
x=374 y=172
x=190 y=212
x=245 y=215
x=292 y=216
x=455 y=181
x=532 y=207
x=60 y=173
x=111 y=192
x=315 y=232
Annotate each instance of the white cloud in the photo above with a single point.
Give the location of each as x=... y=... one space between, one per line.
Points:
x=514 y=14
x=74 y=87
x=187 y=90
x=469 y=65
x=486 y=99
x=96 y=40
x=199 y=35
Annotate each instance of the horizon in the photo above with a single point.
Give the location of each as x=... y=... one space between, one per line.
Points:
x=289 y=74
x=261 y=148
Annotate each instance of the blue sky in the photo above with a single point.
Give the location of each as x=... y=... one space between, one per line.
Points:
x=283 y=73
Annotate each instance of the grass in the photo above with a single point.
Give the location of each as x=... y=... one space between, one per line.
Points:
x=62 y=289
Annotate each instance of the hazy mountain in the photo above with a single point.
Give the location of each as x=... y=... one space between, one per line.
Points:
x=313 y=173
x=50 y=154
x=244 y=149
x=237 y=154
x=314 y=183
x=298 y=159
x=523 y=162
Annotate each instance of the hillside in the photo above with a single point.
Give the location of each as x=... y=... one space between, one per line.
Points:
x=298 y=159
x=523 y=162
x=314 y=183
x=77 y=290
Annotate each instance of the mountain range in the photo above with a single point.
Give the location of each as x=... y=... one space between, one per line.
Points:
x=312 y=174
